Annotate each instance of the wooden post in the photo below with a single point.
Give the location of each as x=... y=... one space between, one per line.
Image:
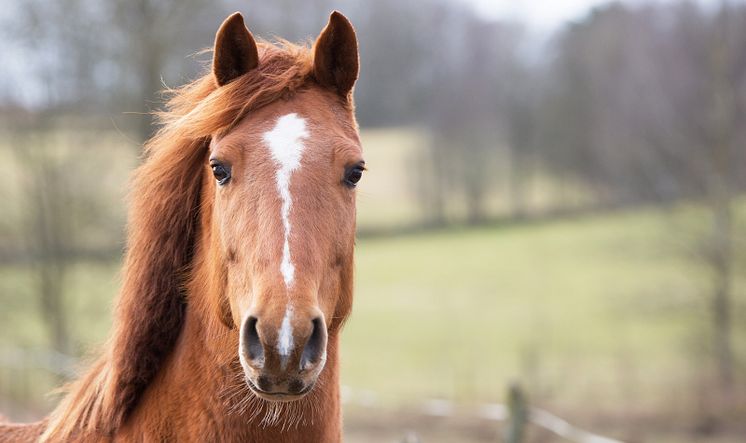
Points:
x=517 y=415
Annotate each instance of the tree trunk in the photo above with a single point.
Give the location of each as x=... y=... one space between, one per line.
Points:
x=720 y=197
x=51 y=291
x=722 y=258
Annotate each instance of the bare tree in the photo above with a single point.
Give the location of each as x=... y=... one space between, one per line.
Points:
x=726 y=116
x=663 y=117
x=47 y=230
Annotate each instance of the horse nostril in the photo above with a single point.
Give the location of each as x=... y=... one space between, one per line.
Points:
x=251 y=343
x=263 y=383
x=315 y=346
x=295 y=386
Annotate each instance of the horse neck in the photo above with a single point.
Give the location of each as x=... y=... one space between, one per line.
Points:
x=203 y=377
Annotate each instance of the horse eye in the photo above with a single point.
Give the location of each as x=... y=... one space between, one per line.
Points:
x=221 y=172
x=353 y=175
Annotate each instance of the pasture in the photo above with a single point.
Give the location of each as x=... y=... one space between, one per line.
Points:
x=604 y=317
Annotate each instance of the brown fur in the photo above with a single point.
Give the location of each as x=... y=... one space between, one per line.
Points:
x=170 y=370
x=336 y=55
x=235 y=50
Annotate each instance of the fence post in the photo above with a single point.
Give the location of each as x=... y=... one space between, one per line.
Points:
x=517 y=415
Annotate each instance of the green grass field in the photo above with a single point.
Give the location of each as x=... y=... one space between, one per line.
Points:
x=386 y=196
x=601 y=304
x=600 y=315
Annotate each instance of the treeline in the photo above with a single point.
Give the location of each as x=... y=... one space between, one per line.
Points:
x=626 y=105
x=635 y=104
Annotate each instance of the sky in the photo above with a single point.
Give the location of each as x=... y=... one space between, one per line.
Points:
x=543 y=15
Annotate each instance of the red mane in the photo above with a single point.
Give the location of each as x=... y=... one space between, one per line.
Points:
x=162 y=231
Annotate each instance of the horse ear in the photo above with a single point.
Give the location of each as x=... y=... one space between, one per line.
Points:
x=235 y=50
x=335 y=56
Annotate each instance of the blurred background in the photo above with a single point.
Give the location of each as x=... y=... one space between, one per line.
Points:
x=555 y=199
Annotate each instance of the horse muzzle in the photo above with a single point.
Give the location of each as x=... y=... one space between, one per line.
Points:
x=282 y=359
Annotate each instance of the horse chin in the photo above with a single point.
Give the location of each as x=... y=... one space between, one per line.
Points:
x=279 y=397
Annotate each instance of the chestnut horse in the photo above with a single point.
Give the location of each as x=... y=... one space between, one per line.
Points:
x=238 y=272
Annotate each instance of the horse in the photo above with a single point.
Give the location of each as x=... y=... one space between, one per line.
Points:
x=238 y=271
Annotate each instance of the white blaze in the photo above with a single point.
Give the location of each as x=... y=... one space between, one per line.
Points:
x=285 y=342
x=285 y=142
